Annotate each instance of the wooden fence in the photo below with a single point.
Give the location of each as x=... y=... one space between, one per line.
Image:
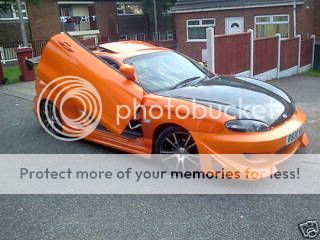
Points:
x=267 y=47
x=264 y=59
x=289 y=53
x=232 y=54
x=306 y=52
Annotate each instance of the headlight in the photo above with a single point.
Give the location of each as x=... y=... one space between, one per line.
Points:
x=247 y=126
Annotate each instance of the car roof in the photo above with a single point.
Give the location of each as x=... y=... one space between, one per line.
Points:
x=126 y=49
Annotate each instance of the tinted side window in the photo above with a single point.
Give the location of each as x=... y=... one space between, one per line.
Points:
x=111 y=62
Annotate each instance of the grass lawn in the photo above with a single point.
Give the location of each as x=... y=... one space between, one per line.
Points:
x=312 y=73
x=11 y=74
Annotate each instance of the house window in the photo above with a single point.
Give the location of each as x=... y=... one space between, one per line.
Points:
x=11 y=12
x=6 y=13
x=196 y=29
x=66 y=11
x=267 y=26
x=133 y=36
x=129 y=8
x=166 y=36
x=23 y=10
x=77 y=17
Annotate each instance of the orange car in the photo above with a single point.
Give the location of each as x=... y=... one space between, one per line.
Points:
x=144 y=78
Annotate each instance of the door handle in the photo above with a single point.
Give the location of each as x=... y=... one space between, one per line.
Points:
x=66 y=46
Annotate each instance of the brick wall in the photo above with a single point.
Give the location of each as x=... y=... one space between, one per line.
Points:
x=316 y=18
x=194 y=49
x=10 y=31
x=305 y=15
x=132 y=24
x=44 y=19
x=106 y=18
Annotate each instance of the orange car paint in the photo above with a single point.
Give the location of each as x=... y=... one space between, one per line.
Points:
x=63 y=56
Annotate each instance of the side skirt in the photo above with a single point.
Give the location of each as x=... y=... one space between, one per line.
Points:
x=122 y=143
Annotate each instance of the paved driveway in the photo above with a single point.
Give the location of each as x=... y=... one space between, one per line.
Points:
x=145 y=217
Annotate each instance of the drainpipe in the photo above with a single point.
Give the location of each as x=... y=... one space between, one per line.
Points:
x=22 y=26
x=294 y=18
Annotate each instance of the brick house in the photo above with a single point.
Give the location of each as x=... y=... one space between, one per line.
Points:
x=9 y=23
x=266 y=18
x=316 y=19
x=108 y=20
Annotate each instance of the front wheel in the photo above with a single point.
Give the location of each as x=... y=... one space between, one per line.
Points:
x=177 y=149
x=50 y=118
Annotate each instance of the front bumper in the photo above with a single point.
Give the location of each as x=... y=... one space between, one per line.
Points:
x=271 y=142
x=258 y=151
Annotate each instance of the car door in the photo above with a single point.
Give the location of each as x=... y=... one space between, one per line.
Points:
x=64 y=56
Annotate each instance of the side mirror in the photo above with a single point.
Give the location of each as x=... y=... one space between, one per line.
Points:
x=128 y=71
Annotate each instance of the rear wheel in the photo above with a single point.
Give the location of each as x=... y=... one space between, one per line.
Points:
x=177 y=149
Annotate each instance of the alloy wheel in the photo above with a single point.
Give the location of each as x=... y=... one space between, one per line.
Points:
x=50 y=118
x=179 y=152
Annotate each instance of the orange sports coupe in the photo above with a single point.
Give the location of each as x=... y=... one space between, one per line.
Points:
x=137 y=73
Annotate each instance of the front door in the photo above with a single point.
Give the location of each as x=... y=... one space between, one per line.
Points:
x=234 y=25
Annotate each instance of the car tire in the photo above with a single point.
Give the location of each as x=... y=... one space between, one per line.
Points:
x=52 y=118
x=176 y=150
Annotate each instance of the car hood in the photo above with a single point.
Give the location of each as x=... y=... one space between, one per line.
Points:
x=244 y=98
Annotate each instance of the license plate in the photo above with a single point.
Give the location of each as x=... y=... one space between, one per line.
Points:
x=294 y=136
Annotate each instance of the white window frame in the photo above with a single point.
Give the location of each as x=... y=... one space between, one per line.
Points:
x=123 y=6
x=169 y=36
x=198 y=26
x=132 y=36
x=14 y=14
x=272 y=22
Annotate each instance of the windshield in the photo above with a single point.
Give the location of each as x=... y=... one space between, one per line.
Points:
x=166 y=70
